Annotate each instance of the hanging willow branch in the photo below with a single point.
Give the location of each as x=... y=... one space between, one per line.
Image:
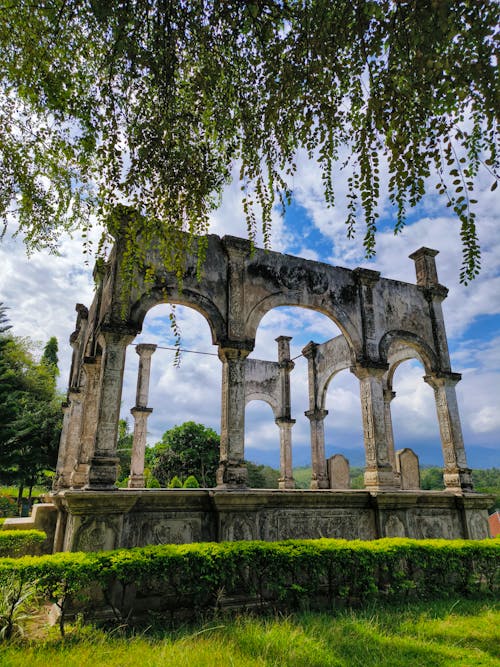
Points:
x=149 y=103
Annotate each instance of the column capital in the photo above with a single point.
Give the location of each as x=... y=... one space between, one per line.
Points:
x=316 y=415
x=145 y=349
x=282 y=421
x=442 y=379
x=366 y=369
x=309 y=350
x=117 y=335
x=139 y=410
x=233 y=353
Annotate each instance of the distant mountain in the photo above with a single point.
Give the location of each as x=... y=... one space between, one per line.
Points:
x=429 y=454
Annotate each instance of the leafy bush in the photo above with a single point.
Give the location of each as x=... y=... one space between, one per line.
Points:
x=175 y=483
x=187 y=579
x=16 y=600
x=17 y=543
x=191 y=483
x=8 y=506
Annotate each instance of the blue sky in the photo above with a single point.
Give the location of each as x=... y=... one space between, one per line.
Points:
x=41 y=293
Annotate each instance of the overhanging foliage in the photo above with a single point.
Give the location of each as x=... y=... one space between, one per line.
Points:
x=151 y=102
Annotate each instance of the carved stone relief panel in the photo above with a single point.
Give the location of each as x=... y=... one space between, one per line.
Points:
x=100 y=533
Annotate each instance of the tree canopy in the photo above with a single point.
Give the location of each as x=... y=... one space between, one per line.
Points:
x=30 y=414
x=151 y=103
x=185 y=450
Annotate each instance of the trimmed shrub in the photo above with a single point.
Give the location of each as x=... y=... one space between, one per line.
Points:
x=18 y=543
x=191 y=483
x=183 y=580
x=175 y=483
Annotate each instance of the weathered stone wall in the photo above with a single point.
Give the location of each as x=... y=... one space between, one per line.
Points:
x=96 y=521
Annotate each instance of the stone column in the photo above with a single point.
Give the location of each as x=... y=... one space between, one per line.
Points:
x=232 y=472
x=319 y=477
x=457 y=476
x=57 y=484
x=140 y=413
x=316 y=416
x=389 y=396
x=284 y=421
x=73 y=432
x=285 y=425
x=434 y=293
x=378 y=471
x=91 y=369
x=103 y=466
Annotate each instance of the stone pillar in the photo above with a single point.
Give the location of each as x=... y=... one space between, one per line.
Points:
x=319 y=477
x=232 y=472
x=389 y=396
x=285 y=421
x=91 y=369
x=103 y=466
x=71 y=449
x=140 y=413
x=285 y=425
x=378 y=471
x=316 y=416
x=457 y=476
x=435 y=293
x=57 y=484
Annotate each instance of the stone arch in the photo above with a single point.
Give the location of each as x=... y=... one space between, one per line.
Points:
x=187 y=297
x=340 y=318
x=256 y=396
x=398 y=346
x=343 y=358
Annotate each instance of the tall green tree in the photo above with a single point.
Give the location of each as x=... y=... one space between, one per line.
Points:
x=188 y=449
x=49 y=356
x=30 y=415
x=151 y=102
x=124 y=449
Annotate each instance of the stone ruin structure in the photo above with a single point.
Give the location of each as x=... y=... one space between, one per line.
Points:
x=383 y=323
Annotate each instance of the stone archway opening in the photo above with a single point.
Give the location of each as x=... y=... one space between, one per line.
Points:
x=415 y=426
x=178 y=392
x=300 y=326
x=344 y=448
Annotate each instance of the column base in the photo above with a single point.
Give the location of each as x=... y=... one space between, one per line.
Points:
x=320 y=482
x=459 y=479
x=137 y=482
x=380 y=478
x=286 y=483
x=232 y=475
x=102 y=473
x=80 y=476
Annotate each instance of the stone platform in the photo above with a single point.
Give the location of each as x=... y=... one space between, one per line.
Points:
x=100 y=520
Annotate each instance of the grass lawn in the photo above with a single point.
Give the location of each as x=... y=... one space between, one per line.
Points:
x=463 y=632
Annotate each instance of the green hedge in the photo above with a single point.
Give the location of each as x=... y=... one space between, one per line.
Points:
x=17 y=543
x=285 y=575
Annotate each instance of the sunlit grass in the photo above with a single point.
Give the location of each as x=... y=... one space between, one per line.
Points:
x=434 y=634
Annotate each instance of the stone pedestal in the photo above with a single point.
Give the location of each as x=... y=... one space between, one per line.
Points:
x=338 y=472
